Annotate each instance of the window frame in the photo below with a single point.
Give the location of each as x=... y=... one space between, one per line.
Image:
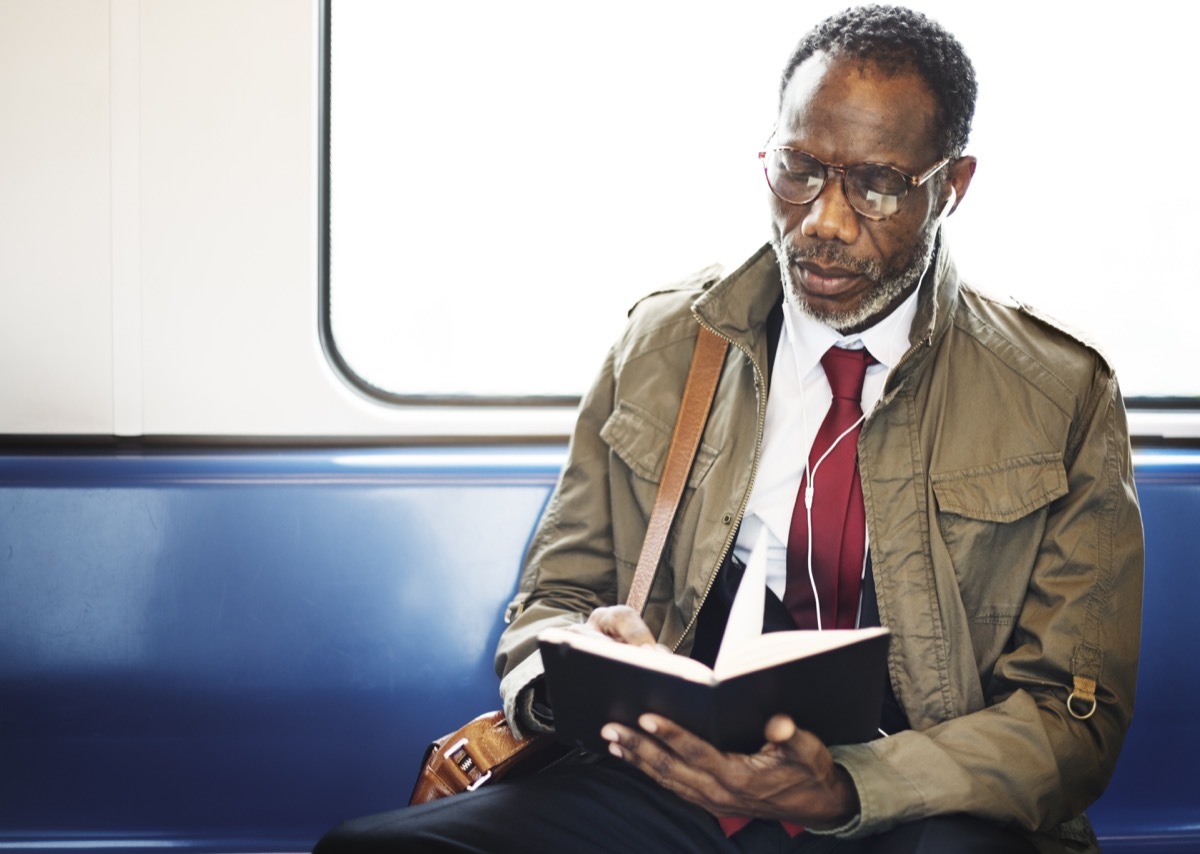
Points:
x=329 y=346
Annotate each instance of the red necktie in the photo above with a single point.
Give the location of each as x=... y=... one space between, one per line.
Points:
x=838 y=517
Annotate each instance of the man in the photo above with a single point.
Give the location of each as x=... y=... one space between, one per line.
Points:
x=1002 y=542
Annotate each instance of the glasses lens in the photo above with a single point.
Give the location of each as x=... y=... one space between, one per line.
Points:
x=794 y=176
x=875 y=191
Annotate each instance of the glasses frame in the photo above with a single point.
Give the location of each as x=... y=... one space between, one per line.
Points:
x=913 y=181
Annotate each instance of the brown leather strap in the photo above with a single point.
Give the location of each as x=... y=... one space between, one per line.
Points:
x=707 y=359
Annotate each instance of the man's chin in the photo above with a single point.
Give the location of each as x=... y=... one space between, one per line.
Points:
x=871 y=308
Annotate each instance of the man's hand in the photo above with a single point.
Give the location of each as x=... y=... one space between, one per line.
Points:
x=621 y=623
x=792 y=778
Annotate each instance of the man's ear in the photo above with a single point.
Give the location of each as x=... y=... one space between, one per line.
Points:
x=958 y=179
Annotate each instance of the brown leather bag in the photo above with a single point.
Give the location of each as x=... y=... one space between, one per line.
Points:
x=485 y=749
x=482 y=751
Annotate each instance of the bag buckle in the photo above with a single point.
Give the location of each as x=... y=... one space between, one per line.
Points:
x=475 y=785
x=462 y=759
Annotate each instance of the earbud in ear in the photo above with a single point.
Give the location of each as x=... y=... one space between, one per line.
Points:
x=949 y=206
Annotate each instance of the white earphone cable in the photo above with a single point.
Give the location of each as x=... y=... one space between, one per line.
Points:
x=810 y=471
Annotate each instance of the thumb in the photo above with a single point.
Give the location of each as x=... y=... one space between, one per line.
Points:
x=780 y=730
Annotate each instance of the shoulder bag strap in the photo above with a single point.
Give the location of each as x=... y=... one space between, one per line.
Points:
x=707 y=359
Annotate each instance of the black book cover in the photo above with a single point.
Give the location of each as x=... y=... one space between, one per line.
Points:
x=836 y=693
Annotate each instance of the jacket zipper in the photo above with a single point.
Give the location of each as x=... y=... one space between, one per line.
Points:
x=759 y=392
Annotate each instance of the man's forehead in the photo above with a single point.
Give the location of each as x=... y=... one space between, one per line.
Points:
x=863 y=110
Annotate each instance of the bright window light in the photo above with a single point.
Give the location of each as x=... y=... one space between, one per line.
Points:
x=507 y=179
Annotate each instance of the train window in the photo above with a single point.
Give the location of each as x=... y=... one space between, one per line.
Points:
x=506 y=179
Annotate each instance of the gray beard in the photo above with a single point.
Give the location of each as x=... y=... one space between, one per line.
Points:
x=891 y=286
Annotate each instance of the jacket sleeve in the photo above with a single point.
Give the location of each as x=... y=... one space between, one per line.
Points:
x=569 y=569
x=1028 y=758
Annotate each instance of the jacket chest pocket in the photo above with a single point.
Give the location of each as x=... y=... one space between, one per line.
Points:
x=991 y=519
x=640 y=441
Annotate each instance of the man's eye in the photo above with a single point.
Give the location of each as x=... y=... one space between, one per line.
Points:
x=802 y=173
x=880 y=180
x=806 y=180
x=801 y=170
x=876 y=204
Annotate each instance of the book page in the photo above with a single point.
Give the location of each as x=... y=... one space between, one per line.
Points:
x=746 y=615
x=649 y=657
x=777 y=647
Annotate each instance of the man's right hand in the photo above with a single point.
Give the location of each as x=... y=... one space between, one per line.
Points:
x=622 y=624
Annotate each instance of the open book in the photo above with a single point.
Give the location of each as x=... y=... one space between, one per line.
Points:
x=830 y=683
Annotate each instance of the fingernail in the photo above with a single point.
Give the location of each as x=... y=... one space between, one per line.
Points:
x=647 y=724
x=615 y=750
x=608 y=733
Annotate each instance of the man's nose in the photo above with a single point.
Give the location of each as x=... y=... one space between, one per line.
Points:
x=829 y=215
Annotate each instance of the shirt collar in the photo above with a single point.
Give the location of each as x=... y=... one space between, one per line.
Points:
x=887 y=340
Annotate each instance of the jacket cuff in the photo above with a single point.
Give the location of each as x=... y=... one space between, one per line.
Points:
x=846 y=830
x=516 y=689
x=885 y=796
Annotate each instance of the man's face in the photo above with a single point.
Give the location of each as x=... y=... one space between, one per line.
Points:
x=838 y=266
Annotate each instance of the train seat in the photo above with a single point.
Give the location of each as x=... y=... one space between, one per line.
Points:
x=232 y=650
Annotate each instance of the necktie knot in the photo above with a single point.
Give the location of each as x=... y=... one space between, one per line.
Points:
x=846 y=371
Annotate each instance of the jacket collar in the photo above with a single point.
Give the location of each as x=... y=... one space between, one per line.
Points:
x=936 y=307
x=738 y=305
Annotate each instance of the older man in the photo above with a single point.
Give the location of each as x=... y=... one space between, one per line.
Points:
x=990 y=522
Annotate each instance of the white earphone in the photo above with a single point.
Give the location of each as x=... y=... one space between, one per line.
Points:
x=949 y=206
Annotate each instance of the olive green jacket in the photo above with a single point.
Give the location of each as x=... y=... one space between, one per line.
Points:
x=1005 y=537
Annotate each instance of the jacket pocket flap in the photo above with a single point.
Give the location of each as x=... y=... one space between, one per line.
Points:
x=1004 y=491
x=642 y=440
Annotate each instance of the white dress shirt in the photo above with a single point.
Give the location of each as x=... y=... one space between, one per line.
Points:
x=798 y=398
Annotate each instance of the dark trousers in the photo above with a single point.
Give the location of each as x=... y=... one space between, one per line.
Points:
x=607 y=806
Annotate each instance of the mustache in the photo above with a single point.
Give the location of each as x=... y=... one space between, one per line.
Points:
x=830 y=255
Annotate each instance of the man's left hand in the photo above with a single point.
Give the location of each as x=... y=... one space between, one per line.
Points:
x=792 y=778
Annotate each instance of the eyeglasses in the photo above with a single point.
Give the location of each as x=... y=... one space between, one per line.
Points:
x=874 y=190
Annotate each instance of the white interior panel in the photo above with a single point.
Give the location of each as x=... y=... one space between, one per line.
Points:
x=55 y=224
